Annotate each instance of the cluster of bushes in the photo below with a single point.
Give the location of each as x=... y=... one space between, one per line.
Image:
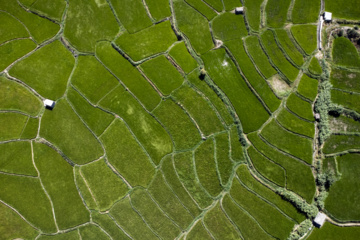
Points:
x=300 y=230
x=351 y=33
x=324 y=181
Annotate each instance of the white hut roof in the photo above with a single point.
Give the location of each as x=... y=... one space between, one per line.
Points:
x=49 y=103
x=320 y=219
x=327 y=16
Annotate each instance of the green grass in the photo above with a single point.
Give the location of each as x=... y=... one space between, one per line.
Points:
x=92 y=79
x=168 y=202
x=258 y=83
x=277 y=56
x=198 y=232
x=248 y=227
x=341 y=10
x=136 y=228
x=237 y=153
x=276 y=12
x=134 y=165
x=250 y=182
x=253 y=13
x=58 y=180
x=345 y=79
x=182 y=57
x=344 y=124
x=300 y=107
x=223 y=72
x=154 y=217
x=269 y=218
x=88 y=22
x=315 y=67
x=127 y=74
x=295 y=124
x=231 y=4
x=340 y=143
x=219 y=225
x=16 y=97
x=92 y=232
x=224 y=163
x=11 y=28
x=31 y=129
x=206 y=168
x=47 y=70
x=332 y=232
x=176 y=186
x=203 y=8
x=12 y=226
x=194 y=26
x=28 y=197
x=159 y=9
x=95 y=118
x=288 y=142
x=155 y=39
x=261 y=60
x=178 y=123
x=229 y=26
x=146 y=129
x=305 y=36
x=185 y=168
x=216 y=4
x=108 y=225
x=344 y=53
x=104 y=184
x=199 y=109
x=308 y=87
x=267 y=168
x=16 y=158
x=11 y=51
x=202 y=86
x=11 y=125
x=163 y=74
x=52 y=9
x=289 y=46
x=347 y=100
x=345 y=194
x=84 y=190
x=305 y=11
x=64 y=129
x=132 y=14
x=295 y=170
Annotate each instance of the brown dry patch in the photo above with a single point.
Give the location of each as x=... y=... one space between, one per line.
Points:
x=280 y=87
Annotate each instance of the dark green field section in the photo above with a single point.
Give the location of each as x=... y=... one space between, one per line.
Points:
x=308 y=87
x=332 y=232
x=315 y=67
x=341 y=10
x=228 y=26
x=223 y=158
x=253 y=16
x=182 y=57
x=276 y=12
x=305 y=36
x=159 y=9
x=346 y=99
x=306 y=11
x=289 y=47
x=295 y=124
x=345 y=79
x=340 y=143
x=300 y=107
x=203 y=8
x=345 y=54
x=51 y=9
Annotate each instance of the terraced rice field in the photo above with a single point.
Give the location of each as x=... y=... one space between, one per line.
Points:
x=176 y=119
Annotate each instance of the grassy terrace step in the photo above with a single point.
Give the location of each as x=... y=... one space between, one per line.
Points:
x=308 y=87
x=58 y=180
x=198 y=232
x=344 y=194
x=345 y=99
x=92 y=231
x=106 y=223
x=11 y=28
x=261 y=60
x=345 y=79
x=203 y=8
x=11 y=125
x=295 y=124
x=182 y=57
x=345 y=54
x=224 y=73
x=305 y=11
x=289 y=46
x=332 y=232
x=224 y=163
x=291 y=143
x=159 y=9
x=315 y=67
x=342 y=10
x=52 y=62
x=340 y=143
x=155 y=39
x=216 y=4
x=295 y=170
x=257 y=82
x=253 y=13
x=18 y=98
x=300 y=107
x=194 y=26
x=277 y=56
x=71 y=235
x=305 y=36
x=237 y=153
x=276 y=12
x=51 y=9
x=229 y=26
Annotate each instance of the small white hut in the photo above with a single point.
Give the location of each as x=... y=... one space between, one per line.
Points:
x=239 y=10
x=49 y=104
x=327 y=16
x=319 y=219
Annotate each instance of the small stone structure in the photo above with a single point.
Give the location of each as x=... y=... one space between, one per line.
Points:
x=239 y=10
x=49 y=104
x=319 y=219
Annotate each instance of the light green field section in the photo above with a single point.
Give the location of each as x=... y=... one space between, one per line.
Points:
x=11 y=28
x=229 y=26
x=47 y=70
x=276 y=12
x=58 y=180
x=315 y=67
x=182 y=57
x=345 y=54
x=155 y=39
x=231 y=4
x=134 y=165
x=237 y=153
x=31 y=129
x=11 y=51
x=341 y=10
x=215 y=4
x=340 y=143
x=53 y=9
x=300 y=107
x=308 y=87
x=146 y=129
x=163 y=74
x=194 y=26
x=345 y=193
x=84 y=190
x=199 y=109
x=203 y=8
x=253 y=13
x=306 y=11
x=11 y=125
x=16 y=158
x=92 y=232
x=289 y=46
x=198 y=232
x=295 y=124
x=288 y=142
x=222 y=156
x=345 y=99
x=12 y=226
x=305 y=36
x=182 y=130
x=107 y=224
x=224 y=73
x=105 y=185
x=159 y=9
x=332 y=232
x=63 y=128
x=132 y=14
x=92 y=79
x=345 y=79
x=72 y=235
x=18 y=98
x=127 y=74
x=88 y=22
